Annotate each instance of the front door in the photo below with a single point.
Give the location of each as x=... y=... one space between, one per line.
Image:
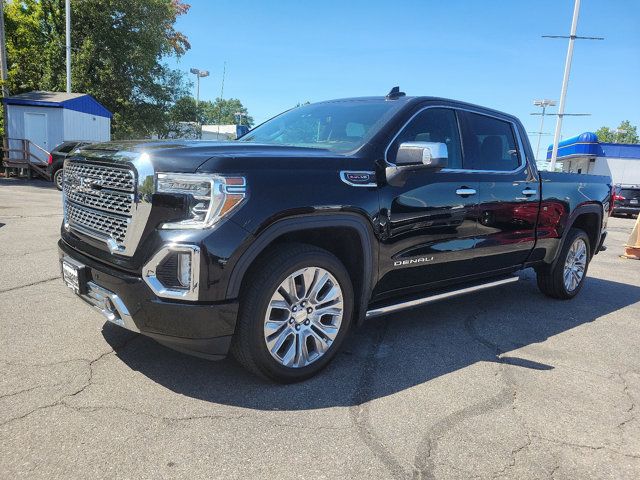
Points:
x=429 y=221
x=509 y=196
x=35 y=130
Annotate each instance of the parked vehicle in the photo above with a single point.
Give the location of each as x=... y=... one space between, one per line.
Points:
x=56 y=160
x=626 y=200
x=329 y=214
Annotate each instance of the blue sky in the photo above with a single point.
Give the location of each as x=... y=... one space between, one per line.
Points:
x=487 y=52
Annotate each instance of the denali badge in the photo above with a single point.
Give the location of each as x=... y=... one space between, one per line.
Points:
x=412 y=261
x=358 y=179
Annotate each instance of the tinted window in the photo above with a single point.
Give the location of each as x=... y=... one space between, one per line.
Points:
x=65 y=147
x=432 y=125
x=630 y=193
x=339 y=126
x=489 y=143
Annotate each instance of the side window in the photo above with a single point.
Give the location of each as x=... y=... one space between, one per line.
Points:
x=432 y=125
x=489 y=143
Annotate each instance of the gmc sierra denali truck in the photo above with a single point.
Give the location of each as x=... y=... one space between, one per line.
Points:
x=274 y=245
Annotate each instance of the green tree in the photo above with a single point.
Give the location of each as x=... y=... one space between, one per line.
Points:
x=184 y=110
x=222 y=111
x=119 y=49
x=625 y=133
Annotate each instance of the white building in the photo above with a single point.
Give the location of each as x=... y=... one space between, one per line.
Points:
x=220 y=132
x=585 y=154
x=50 y=118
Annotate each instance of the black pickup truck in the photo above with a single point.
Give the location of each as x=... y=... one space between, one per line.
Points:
x=274 y=245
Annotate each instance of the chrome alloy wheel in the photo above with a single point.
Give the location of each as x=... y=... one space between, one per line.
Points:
x=303 y=317
x=575 y=264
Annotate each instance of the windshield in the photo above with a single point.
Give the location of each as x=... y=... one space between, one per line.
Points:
x=337 y=126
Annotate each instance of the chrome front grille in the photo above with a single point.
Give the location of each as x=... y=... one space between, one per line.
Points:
x=107 y=200
x=104 y=225
x=117 y=178
x=102 y=201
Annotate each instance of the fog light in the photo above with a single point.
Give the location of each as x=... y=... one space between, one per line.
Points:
x=184 y=269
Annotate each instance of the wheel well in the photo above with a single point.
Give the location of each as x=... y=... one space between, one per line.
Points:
x=590 y=223
x=343 y=242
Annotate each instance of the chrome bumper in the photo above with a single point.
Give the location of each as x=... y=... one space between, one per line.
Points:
x=110 y=305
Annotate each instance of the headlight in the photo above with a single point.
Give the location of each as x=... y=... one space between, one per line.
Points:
x=212 y=196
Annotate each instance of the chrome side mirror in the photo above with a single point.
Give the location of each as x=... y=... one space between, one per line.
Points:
x=428 y=154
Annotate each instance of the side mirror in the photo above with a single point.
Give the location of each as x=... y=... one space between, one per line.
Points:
x=416 y=156
x=428 y=154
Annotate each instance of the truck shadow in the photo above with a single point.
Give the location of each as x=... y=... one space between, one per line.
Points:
x=393 y=353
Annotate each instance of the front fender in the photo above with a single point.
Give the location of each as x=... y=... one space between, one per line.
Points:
x=301 y=223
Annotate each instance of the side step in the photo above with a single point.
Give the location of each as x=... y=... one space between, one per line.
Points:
x=376 y=312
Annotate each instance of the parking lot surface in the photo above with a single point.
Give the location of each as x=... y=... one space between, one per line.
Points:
x=501 y=384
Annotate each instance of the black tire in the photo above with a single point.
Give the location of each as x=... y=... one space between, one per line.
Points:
x=249 y=346
x=551 y=280
x=58 y=178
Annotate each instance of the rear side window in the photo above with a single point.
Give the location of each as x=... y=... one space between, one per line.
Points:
x=432 y=125
x=489 y=143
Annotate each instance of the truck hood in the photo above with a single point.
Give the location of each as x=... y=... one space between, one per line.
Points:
x=187 y=156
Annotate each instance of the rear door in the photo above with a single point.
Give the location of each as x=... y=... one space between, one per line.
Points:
x=508 y=194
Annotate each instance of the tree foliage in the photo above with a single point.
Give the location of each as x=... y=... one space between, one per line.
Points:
x=118 y=53
x=219 y=112
x=626 y=133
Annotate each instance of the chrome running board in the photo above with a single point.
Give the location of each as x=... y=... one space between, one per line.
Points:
x=376 y=312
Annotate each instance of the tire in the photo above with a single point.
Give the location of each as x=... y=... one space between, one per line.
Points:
x=58 y=178
x=552 y=281
x=309 y=337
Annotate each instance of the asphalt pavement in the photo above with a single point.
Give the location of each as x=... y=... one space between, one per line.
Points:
x=504 y=384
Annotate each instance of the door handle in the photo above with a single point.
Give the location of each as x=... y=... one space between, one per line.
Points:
x=529 y=191
x=465 y=192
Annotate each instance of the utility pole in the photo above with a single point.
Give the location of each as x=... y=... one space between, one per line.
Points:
x=3 y=80
x=67 y=11
x=544 y=104
x=565 y=80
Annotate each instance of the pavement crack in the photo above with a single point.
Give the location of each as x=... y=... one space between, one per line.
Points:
x=62 y=400
x=586 y=446
x=631 y=409
x=359 y=412
x=57 y=277
x=30 y=389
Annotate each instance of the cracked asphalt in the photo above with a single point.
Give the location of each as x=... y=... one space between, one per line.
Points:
x=504 y=384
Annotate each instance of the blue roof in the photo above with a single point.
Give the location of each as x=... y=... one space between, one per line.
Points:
x=587 y=145
x=80 y=102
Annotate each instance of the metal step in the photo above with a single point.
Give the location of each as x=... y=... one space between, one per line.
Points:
x=376 y=312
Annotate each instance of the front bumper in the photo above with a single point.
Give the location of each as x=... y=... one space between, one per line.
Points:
x=202 y=329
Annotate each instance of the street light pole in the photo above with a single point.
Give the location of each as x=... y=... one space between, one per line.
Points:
x=544 y=104
x=617 y=132
x=199 y=74
x=67 y=11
